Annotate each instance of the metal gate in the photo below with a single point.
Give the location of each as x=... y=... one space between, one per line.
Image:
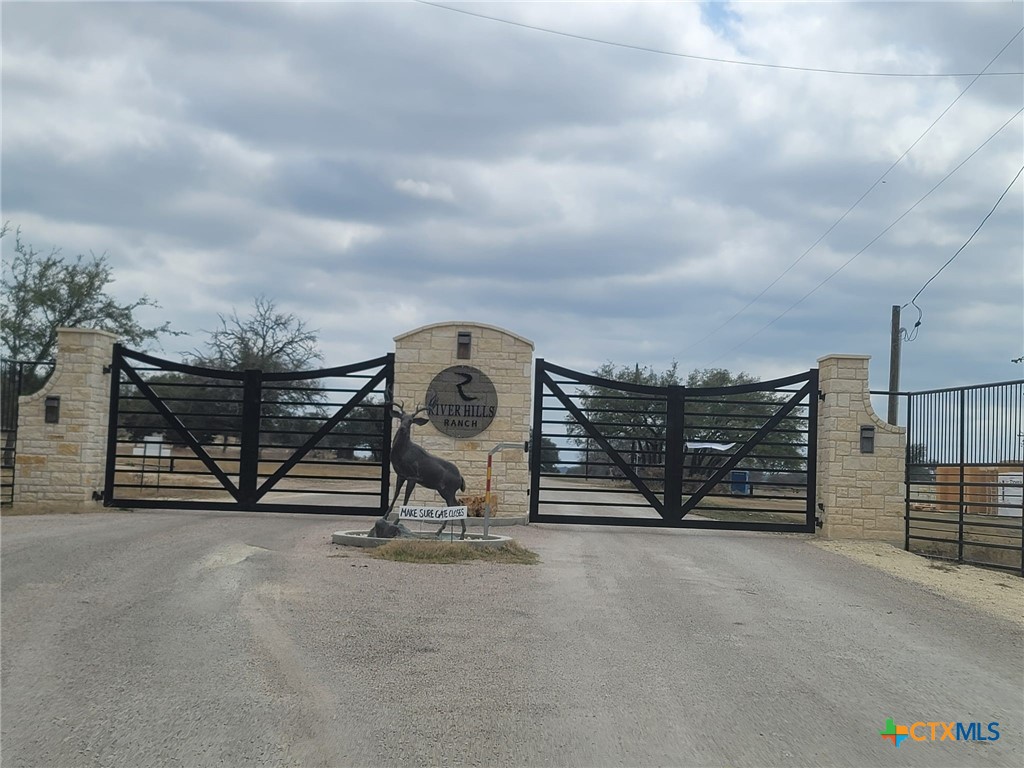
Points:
x=965 y=474
x=17 y=378
x=185 y=437
x=616 y=453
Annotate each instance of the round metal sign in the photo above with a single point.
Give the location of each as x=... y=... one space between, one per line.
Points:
x=462 y=401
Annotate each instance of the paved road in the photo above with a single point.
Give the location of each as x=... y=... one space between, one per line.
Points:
x=158 y=639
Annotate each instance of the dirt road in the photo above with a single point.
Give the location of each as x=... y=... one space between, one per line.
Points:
x=155 y=639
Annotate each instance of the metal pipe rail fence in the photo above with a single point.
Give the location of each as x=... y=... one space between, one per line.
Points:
x=17 y=378
x=964 y=475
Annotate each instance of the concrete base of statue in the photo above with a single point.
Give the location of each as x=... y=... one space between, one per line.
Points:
x=363 y=538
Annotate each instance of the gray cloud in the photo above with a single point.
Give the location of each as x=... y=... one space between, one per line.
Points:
x=378 y=166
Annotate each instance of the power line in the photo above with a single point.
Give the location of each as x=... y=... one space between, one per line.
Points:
x=870 y=242
x=937 y=273
x=857 y=202
x=912 y=334
x=714 y=59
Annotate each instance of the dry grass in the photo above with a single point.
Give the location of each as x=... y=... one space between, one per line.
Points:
x=439 y=552
x=191 y=479
x=756 y=516
x=185 y=461
x=988 y=590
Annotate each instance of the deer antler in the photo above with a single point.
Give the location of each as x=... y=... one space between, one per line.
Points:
x=429 y=402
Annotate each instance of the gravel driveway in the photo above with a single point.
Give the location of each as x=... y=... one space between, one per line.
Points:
x=201 y=639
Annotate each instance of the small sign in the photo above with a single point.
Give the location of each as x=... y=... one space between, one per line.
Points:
x=153 y=445
x=436 y=514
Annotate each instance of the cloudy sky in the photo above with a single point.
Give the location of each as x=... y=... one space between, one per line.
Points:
x=374 y=167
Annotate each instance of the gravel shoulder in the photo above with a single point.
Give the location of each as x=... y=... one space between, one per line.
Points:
x=996 y=592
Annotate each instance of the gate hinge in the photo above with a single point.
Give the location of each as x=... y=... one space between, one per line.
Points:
x=106 y=369
x=97 y=495
x=821 y=395
x=819 y=520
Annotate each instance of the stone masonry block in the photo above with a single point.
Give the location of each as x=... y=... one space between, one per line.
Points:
x=71 y=455
x=861 y=491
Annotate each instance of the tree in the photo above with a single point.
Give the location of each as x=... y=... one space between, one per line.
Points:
x=41 y=293
x=736 y=419
x=636 y=426
x=917 y=454
x=361 y=430
x=920 y=468
x=271 y=341
x=549 y=456
x=268 y=340
x=203 y=405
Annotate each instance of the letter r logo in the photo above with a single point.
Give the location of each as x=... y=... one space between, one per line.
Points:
x=467 y=378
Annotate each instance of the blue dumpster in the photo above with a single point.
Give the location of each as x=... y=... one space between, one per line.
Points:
x=739 y=482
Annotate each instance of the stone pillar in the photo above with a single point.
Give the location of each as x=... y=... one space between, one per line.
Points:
x=863 y=493
x=59 y=465
x=507 y=360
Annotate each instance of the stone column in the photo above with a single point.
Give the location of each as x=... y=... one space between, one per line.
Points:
x=507 y=360
x=863 y=493
x=59 y=465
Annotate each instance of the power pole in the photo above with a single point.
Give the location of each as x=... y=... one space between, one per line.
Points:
x=894 y=365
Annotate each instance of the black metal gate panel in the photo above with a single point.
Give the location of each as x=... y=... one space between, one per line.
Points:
x=965 y=474
x=17 y=378
x=617 y=453
x=185 y=437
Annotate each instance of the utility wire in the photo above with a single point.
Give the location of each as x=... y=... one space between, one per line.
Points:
x=870 y=243
x=916 y=295
x=715 y=59
x=857 y=202
x=920 y=312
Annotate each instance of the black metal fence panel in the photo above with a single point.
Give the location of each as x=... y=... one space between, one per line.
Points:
x=188 y=437
x=618 y=453
x=17 y=378
x=965 y=468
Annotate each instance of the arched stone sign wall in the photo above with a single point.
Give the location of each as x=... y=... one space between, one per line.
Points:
x=458 y=350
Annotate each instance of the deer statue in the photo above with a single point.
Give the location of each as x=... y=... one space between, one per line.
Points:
x=414 y=465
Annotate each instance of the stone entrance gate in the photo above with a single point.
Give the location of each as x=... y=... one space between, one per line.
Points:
x=859 y=469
